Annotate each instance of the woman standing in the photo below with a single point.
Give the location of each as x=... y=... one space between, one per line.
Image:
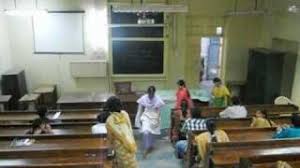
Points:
x=148 y=118
x=120 y=134
x=220 y=94
x=183 y=97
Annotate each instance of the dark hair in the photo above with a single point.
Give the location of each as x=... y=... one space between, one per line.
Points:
x=295 y=120
x=35 y=125
x=101 y=118
x=196 y=112
x=265 y=113
x=113 y=104
x=151 y=90
x=181 y=82
x=211 y=127
x=236 y=100
x=216 y=80
x=42 y=112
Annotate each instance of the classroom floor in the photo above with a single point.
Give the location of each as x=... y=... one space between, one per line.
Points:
x=162 y=157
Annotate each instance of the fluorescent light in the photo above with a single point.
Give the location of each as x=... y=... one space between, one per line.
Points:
x=25 y=12
x=132 y=8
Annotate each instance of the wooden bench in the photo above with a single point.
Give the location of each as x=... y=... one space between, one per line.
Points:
x=4 y=99
x=30 y=101
x=235 y=135
x=270 y=161
x=56 y=152
x=58 y=131
x=48 y=94
x=228 y=154
x=22 y=116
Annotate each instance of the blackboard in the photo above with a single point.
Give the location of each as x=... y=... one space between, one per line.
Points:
x=138 y=57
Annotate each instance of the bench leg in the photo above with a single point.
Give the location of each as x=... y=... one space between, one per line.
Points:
x=31 y=106
x=1 y=107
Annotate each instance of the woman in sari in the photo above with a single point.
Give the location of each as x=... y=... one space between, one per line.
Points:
x=148 y=118
x=220 y=94
x=212 y=135
x=120 y=134
x=183 y=97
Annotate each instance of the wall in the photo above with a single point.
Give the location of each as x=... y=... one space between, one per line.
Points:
x=55 y=68
x=183 y=34
x=5 y=53
x=287 y=26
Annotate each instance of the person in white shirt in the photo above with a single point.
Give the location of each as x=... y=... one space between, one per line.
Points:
x=234 y=111
x=100 y=128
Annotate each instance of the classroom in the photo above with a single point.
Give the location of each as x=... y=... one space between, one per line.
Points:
x=150 y=83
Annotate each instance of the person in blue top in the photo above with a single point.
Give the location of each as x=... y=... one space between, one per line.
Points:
x=289 y=131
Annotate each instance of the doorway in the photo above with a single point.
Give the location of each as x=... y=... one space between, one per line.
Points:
x=210 y=57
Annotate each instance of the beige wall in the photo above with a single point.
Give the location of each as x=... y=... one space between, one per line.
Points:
x=5 y=52
x=287 y=26
x=182 y=38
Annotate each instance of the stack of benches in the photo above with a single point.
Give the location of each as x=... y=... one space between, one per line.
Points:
x=72 y=143
x=248 y=147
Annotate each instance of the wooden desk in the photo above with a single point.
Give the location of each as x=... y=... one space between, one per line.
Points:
x=20 y=116
x=56 y=152
x=58 y=132
x=271 y=108
x=4 y=99
x=48 y=95
x=235 y=135
x=228 y=154
x=31 y=100
x=82 y=100
x=270 y=161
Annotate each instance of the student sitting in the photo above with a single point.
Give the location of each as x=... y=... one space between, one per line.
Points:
x=195 y=123
x=101 y=118
x=234 y=111
x=289 y=131
x=220 y=94
x=212 y=135
x=261 y=120
x=40 y=126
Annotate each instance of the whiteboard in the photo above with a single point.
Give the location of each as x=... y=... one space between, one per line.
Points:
x=60 y=32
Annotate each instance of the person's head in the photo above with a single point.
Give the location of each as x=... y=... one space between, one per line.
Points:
x=42 y=112
x=211 y=127
x=113 y=104
x=151 y=92
x=181 y=83
x=295 y=120
x=236 y=100
x=261 y=113
x=196 y=113
x=217 y=81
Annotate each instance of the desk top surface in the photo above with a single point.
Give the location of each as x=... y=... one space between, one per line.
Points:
x=45 y=89
x=29 y=98
x=95 y=97
x=5 y=98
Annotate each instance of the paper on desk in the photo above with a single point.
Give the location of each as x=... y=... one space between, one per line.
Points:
x=22 y=142
x=99 y=129
x=56 y=115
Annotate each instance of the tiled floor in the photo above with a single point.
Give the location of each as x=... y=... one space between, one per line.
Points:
x=163 y=155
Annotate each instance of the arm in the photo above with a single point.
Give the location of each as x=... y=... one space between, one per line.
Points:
x=138 y=116
x=282 y=133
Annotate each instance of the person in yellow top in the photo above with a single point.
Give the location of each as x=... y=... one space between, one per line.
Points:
x=282 y=164
x=212 y=135
x=220 y=94
x=120 y=134
x=261 y=120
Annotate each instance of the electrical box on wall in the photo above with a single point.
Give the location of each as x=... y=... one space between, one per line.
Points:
x=88 y=69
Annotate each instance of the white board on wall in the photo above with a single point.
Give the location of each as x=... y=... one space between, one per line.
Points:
x=59 y=33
